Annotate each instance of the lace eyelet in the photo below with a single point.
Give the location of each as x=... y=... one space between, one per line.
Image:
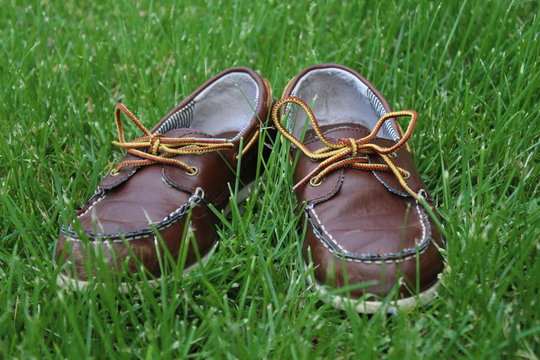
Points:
x=194 y=171
x=393 y=155
x=407 y=175
x=114 y=173
x=314 y=183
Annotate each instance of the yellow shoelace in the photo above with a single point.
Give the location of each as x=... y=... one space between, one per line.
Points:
x=159 y=148
x=346 y=152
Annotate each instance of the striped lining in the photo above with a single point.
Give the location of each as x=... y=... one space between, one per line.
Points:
x=387 y=130
x=183 y=118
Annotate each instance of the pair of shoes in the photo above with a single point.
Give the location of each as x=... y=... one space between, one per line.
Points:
x=369 y=232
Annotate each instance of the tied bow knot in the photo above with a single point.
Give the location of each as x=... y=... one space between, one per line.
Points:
x=160 y=148
x=346 y=152
x=155 y=143
x=351 y=144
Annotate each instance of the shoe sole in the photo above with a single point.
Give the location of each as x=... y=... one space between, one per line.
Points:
x=370 y=306
x=68 y=283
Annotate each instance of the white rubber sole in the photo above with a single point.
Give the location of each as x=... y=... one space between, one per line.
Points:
x=68 y=283
x=371 y=306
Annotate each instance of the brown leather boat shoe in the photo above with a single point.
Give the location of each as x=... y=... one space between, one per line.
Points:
x=185 y=163
x=369 y=234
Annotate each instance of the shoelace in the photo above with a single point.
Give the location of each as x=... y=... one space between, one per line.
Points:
x=347 y=152
x=159 y=148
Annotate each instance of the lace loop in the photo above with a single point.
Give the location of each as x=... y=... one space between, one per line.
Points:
x=158 y=148
x=345 y=152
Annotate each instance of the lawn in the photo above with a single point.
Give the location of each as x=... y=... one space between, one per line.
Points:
x=471 y=69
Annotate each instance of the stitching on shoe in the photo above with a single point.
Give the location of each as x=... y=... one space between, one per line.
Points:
x=102 y=196
x=422 y=219
x=404 y=255
x=90 y=200
x=325 y=231
x=388 y=187
x=167 y=222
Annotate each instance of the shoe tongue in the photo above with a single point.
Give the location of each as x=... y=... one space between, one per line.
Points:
x=110 y=182
x=344 y=131
x=350 y=130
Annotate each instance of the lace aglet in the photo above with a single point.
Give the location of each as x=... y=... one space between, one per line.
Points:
x=303 y=181
x=298 y=184
x=306 y=178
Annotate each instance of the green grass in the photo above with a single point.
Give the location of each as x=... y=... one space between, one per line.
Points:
x=470 y=68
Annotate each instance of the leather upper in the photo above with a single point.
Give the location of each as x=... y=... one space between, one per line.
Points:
x=363 y=227
x=121 y=219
